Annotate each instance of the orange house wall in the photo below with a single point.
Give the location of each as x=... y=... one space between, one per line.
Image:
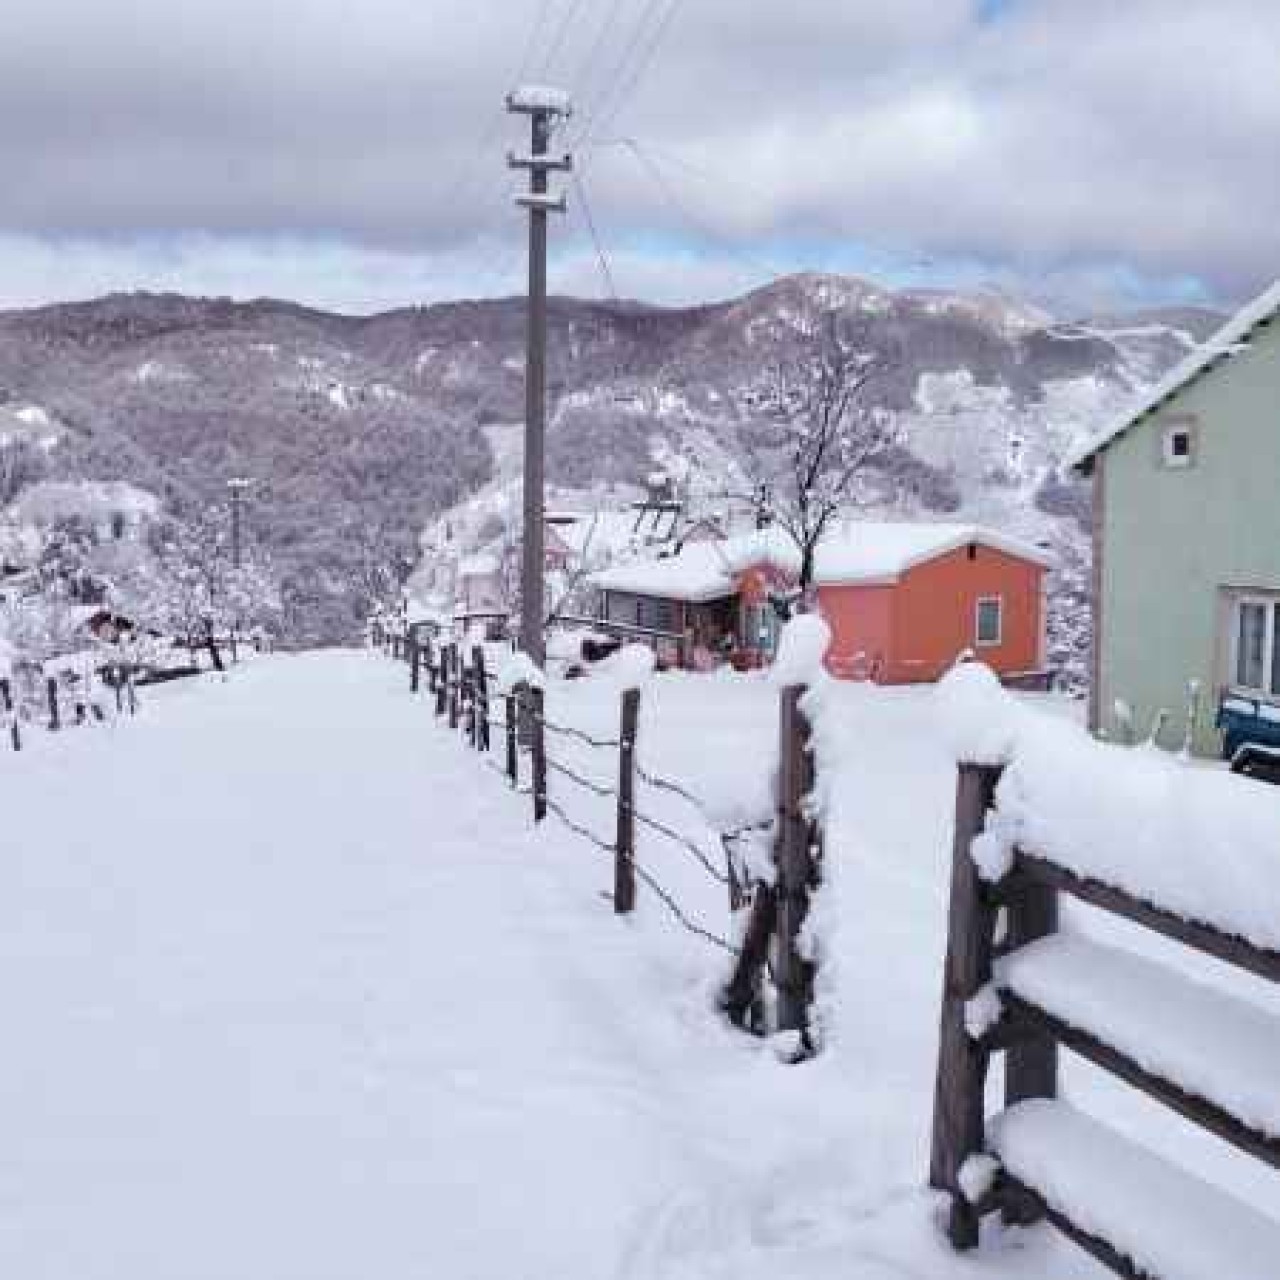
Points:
x=861 y=622
x=914 y=629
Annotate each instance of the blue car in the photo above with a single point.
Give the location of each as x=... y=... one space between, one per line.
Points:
x=1250 y=736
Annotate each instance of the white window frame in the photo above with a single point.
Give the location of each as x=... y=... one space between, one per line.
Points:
x=1269 y=604
x=978 y=641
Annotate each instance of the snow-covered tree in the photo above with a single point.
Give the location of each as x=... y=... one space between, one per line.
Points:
x=826 y=432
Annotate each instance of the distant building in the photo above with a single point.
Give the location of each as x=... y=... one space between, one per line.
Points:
x=1187 y=540
x=903 y=601
x=705 y=604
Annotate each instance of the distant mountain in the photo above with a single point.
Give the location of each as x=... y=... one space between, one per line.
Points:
x=359 y=431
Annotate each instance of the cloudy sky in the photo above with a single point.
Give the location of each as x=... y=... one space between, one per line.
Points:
x=351 y=153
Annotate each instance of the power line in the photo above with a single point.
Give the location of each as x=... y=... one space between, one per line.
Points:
x=578 y=82
x=619 y=73
x=601 y=257
x=526 y=60
x=558 y=39
x=649 y=165
x=618 y=91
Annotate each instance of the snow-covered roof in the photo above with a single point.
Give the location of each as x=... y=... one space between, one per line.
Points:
x=477 y=566
x=868 y=551
x=1222 y=346
x=702 y=571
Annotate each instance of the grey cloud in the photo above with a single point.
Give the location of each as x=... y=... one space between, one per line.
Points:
x=1068 y=135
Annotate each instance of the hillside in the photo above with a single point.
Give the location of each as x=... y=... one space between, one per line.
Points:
x=360 y=430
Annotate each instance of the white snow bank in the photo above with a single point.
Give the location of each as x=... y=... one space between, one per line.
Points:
x=1211 y=1044
x=1172 y=1224
x=801 y=650
x=1197 y=842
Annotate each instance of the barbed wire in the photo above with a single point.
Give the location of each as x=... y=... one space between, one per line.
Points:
x=646 y=877
x=683 y=842
x=580 y=735
x=596 y=788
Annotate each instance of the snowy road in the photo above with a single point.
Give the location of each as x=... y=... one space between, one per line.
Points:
x=291 y=992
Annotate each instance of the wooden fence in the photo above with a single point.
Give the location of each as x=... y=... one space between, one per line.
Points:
x=993 y=932
x=46 y=702
x=460 y=690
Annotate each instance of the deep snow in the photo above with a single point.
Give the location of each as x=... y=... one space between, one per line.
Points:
x=293 y=992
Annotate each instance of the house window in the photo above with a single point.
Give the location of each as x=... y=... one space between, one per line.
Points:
x=1178 y=446
x=990 y=621
x=1256 y=660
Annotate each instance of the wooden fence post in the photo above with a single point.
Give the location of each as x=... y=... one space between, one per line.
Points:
x=415 y=664
x=131 y=685
x=455 y=691
x=624 y=858
x=55 y=719
x=959 y=1113
x=538 y=702
x=741 y=997
x=440 y=675
x=481 y=695
x=6 y=696
x=1031 y=1060
x=796 y=862
x=467 y=684
x=513 y=748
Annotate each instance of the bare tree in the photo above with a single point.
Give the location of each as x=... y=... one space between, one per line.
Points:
x=829 y=433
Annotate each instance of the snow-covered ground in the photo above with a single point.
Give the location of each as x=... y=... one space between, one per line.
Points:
x=293 y=990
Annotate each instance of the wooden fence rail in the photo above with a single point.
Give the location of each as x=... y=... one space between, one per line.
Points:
x=1030 y=1029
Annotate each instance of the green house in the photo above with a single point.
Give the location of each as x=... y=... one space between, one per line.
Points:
x=1187 y=543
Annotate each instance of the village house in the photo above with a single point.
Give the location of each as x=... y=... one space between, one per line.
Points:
x=480 y=599
x=904 y=601
x=704 y=604
x=1187 y=546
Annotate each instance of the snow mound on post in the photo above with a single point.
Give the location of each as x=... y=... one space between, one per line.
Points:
x=519 y=669
x=980 y=717
x=801 y=650
x=631 y=667
x=1199 y=843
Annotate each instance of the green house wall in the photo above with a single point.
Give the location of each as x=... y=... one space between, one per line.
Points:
x=1172 y=541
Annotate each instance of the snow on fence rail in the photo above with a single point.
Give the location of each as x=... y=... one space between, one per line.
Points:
x=1042 y=811
x=769 y=970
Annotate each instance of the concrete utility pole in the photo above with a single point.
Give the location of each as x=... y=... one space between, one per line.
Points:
x=237 y=487
x=543 y=107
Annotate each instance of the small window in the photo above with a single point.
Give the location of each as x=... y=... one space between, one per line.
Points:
x=990 y=621
x=1179 y=446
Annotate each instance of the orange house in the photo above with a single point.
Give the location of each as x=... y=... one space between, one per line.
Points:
x=905 y=601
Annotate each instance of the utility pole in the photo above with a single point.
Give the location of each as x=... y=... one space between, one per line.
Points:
x=237 y=487
x=543 y=107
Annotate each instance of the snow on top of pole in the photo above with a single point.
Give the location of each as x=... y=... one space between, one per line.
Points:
x=631 y=667
x=519 y=668
x=801 y=650
x=980 y=717
x=539 y=97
